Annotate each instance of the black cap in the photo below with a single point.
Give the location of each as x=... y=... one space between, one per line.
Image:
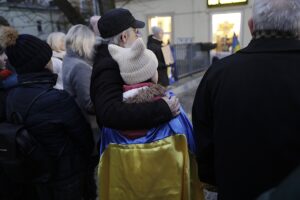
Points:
x=117 y=20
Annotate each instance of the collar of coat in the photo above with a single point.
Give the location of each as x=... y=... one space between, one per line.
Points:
x=101 y=51
x=274 y=34
x=151 y=39
x=73 y=55
x=42 y=78
x=269 y=45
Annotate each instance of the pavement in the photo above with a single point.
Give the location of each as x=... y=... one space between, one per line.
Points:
x=185 y=90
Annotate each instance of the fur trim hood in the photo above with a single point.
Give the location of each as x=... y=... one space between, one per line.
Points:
x=8 y=36
x=147 y=94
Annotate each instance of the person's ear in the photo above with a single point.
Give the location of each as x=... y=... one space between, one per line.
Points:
x=251 y=25
x=124 y=37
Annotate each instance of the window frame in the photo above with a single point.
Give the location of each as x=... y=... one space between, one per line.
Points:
x=162 y=15
x=241 y=35
x=219 y=5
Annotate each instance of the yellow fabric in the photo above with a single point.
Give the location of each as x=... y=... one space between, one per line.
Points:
x=157 y=170
x=154 y=171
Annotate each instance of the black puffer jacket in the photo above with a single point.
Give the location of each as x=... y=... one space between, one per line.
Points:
x=54 y=120
x=107 y=96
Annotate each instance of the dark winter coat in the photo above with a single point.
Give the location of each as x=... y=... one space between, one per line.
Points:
x=155 y=46
x=288 y=189
x=107 y=96
x=246 y=114
x=54 y=120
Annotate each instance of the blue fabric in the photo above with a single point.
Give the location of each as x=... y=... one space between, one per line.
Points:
x=9 y=82
x=178 y=125
x=235 y=43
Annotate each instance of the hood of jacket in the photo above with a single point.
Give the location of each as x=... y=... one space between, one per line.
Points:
x=146 y=94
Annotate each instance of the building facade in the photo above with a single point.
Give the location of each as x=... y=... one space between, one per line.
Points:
x=40 y=17
x=35 y=17
x=192 y=21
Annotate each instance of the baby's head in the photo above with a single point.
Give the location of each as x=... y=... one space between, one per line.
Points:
x=137 y=64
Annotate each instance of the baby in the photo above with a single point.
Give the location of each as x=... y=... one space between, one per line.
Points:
x=138 y=68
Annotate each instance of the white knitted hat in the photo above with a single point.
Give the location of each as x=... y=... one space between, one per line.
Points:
x=137 y=64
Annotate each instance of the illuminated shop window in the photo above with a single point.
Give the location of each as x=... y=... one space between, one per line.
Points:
x=219 y=3
x=224 y=26
x=165 y=23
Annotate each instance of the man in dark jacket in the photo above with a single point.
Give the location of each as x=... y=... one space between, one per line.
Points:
x=118 y=26
x=247 y=107
x=54 y=120
x=155 y=44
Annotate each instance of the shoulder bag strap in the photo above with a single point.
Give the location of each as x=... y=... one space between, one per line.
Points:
x=16 y=117
x=33 y=101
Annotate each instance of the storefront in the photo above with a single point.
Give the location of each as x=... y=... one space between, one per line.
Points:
x=226 y=25
x=164 y=22
x=189 y=21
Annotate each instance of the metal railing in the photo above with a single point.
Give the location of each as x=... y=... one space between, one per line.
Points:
x=190 y=58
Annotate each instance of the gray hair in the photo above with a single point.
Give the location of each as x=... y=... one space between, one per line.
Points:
x=115 y=39
x=280 y=15
x=55 y=40
x=156 y=30
x=81 y=40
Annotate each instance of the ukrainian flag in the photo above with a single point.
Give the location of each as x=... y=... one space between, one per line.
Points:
x=235 y=44
x=157 y=166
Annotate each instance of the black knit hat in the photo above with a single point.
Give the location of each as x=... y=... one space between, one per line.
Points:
x=117 y=20
x=28 y=54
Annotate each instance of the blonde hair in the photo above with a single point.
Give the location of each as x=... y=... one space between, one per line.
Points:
x=55 y=40
x=80 y=39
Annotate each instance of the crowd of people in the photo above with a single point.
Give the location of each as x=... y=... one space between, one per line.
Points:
x=96 y=103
